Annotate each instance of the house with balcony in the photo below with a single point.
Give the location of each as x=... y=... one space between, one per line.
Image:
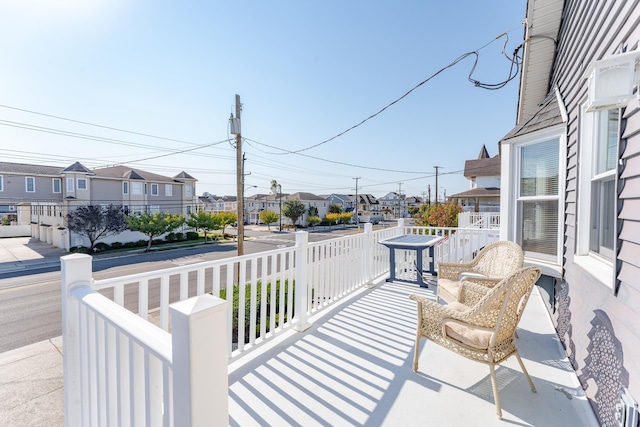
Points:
x=571 y=185
x=52 y=192
x=483 y=194
x=393 y=205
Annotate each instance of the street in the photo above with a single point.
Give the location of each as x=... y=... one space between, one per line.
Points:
x=30 y=301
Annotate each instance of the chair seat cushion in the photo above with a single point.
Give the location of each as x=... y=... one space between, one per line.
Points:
x=449 y=286
x=469 y=336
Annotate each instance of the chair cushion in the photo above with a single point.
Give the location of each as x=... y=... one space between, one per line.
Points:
x=449 y=286
x=471 y=337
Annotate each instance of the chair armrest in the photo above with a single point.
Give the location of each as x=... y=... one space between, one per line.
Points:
x=479 y=279
x=470 y=293
x=452 y=270
x=432 y=310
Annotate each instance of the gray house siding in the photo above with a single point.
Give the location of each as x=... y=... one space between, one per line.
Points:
x=598 y=328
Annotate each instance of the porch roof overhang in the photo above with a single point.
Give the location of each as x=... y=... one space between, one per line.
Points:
x=541 y=32
x=479 y=193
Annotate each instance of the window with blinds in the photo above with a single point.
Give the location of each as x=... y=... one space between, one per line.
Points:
x=538 y=199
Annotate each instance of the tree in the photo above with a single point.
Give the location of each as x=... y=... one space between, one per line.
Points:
x=225 y=218
x=269 y=217
x=276 y=189
x=312 y=211
x=293 y=209
x=332 y=217
x=313 y=220
x=203 y=221
x=96 y=222
x=154 y=225
x=345 y=217
x=441 y=215
x=335 y=208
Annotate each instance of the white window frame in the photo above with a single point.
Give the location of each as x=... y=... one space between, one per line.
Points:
x=33 y=184
x=1 y=183
x=154 y=189
x=600 y=264
x=168 y=190
x=53 y=185
x=70 y=185
x=187 y=190
x=80 y=186
x=511 y=151
x=154 y=209
x=125 y=187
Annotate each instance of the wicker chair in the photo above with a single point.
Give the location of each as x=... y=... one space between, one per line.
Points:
x=493 y=263
x=482 y=325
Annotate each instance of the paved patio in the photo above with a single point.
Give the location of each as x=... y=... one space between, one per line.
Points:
x=353 y=367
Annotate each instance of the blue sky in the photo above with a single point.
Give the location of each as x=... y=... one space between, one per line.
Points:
x=305 y=71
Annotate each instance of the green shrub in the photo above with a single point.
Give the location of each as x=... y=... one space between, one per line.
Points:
x=192 y=235
x=170 y=237
x=247 y=307
x=100 y=246
x=157 y=241
x=179 y=236
x=79 y=250
x=116 y=245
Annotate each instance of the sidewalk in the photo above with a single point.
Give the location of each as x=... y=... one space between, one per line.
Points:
x=24 y=253
x=31 y=392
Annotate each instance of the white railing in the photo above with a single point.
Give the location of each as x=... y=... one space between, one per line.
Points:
x=479 y=220
x=109 y=351
x=121 y=370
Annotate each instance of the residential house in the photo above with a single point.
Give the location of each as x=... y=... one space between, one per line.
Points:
x=483 y=194
x=212 y=203
x=571 y=197
x=53 y=191
x=393 y=205
x=310 y=200
x=346 y=201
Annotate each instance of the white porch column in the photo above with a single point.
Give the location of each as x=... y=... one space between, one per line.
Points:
x=200 y=372
x=301 y=287
x=76 y=271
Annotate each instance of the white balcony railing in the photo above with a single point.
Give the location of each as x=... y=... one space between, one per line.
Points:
x=479 y=220
x=119 y=366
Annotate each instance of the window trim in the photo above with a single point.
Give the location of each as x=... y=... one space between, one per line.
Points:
x=168 y=190
x=125 y=187
x=510 y=187
x=1 y=182
x=597 y=265
x=70 y=185
x=53 y=185
x=154 y=187
x=139 y=191
x=86 y=187
x=26 y=184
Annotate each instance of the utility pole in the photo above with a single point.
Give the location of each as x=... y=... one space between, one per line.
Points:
x=437 y=168
x=400 y=210
x=356 y=210
x=429 y=193
x=239 y=176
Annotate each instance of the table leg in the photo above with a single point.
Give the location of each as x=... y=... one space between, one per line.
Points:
x=392 y=265
x=419 y=269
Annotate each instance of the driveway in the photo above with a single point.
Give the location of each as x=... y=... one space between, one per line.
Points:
x=19 y=253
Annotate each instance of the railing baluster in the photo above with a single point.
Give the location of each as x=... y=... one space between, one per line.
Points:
x=184 y=285
x=164 y=302
x=143 y=299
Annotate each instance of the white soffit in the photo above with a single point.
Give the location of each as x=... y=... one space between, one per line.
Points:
x=542 y=24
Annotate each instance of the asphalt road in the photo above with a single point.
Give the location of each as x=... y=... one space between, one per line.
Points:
x=30 y=303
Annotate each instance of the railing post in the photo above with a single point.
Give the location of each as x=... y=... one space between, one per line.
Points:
x=301 y=286
x=368 y=254
x=199 y=358
x=75 y=271
x=401 y=224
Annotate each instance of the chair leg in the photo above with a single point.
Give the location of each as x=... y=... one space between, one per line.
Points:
x=494 y=385
x=416 y=351
x=526 y=374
